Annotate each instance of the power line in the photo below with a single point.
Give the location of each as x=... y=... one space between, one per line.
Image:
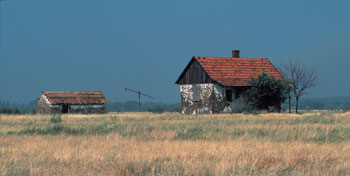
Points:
x=139 y=93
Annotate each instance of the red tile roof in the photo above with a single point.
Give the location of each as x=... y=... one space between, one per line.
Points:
x=230 y=71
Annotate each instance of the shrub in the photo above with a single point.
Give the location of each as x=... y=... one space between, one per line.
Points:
x=267 y=92
x=175 y=109
x=16 y=110
x=249 y=109
x=25 y=111
x=120 y=110
x=10 y=111
x=56 y=118
x=157 y=110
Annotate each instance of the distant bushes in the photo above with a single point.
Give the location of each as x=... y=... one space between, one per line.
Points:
x=175 y=109
x=346 y=109
x=160 y=110
x=133 y=106
x=16 y=110
x=156 y=110
x=10 y=111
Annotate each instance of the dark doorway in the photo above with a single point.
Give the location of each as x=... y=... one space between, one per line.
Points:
x=64 y=108
x=228 y=95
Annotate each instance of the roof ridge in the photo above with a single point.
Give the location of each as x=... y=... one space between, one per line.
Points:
x=75 y=97
x=230 y=57
x=71 y=91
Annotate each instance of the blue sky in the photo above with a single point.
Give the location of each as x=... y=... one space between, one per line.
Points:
x=145 y=44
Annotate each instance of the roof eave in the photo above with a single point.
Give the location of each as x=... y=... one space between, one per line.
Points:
x=275 y=68
x=183 y=72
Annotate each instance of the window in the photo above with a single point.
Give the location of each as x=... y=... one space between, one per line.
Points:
x=195 y=93
x=229 y=95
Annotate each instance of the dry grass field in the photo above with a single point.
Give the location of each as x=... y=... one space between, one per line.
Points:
x=314 y=143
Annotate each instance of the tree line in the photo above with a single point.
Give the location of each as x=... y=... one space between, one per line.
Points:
x=7 y=107
x=132 y=106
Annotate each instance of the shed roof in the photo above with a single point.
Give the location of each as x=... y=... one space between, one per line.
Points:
x=230 y=71
x=75 y=97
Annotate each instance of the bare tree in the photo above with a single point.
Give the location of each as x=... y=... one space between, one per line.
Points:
x=300 y=78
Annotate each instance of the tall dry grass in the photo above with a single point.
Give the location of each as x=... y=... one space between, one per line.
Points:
x=315 y=143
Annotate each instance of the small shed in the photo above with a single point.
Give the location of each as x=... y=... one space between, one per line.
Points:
x=219 y=84
x=70 y=102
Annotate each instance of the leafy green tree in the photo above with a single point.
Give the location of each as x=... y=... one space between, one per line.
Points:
x=267 y=92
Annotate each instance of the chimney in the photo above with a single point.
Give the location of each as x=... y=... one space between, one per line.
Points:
x=235 y=53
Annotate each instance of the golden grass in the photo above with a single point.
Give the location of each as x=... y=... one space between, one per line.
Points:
x=161 y=152
x=116 y=155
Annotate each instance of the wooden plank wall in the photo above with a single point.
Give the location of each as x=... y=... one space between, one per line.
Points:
x=194 y=74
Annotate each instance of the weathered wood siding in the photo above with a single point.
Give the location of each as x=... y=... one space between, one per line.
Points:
x=194 y=74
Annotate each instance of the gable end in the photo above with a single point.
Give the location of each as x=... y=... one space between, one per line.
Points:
x=194 y=74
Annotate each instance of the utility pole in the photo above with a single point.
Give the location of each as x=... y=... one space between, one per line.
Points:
x=139 y=93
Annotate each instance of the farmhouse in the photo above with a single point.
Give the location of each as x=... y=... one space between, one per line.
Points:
x=219 y=84
x=70 y=102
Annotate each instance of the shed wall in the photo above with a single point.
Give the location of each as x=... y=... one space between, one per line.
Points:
x=212 y=99
x=189 y=106
x=43 y=106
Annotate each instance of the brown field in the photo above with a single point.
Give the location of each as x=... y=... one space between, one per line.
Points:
x=314 y=143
